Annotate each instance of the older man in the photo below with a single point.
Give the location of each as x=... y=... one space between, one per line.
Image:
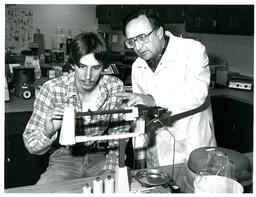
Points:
x=170 y=72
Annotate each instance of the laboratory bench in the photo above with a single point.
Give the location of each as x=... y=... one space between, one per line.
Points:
x=232 y=114
x=76 y=185
x=178 y=172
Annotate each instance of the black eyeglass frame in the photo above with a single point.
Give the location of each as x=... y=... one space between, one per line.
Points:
x=136 y=39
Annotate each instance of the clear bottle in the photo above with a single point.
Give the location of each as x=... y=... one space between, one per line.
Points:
x=63 y=41
x=36 y=65
x=57 y=39
x=42 y=59
x=222 y=74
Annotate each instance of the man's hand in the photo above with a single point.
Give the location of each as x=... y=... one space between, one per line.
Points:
x=53 y=121
x=136 y=99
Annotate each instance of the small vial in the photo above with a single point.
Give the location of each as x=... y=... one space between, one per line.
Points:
x=109 y=185
x=97 y=185
x=87 y=189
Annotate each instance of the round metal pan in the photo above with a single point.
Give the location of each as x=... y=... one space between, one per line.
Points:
x=152 y=177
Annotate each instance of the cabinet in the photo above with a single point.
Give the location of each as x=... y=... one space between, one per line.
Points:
x=116 y=17
x=171 y=13
x=240 y=123
x=103 y=14
x=21 y=167
x=114 y=14
x=200 y=18
x=167 y=13
x=233 y=122
x=235 y=19
x=128 y=9
x=214 y=19
x=220 y=19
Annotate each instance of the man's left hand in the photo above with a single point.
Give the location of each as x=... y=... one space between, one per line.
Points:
x=136 y=99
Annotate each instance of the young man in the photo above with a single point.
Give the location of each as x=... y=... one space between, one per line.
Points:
x=173 y=73
x=86 y=89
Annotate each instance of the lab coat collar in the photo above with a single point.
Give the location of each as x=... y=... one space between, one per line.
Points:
x=171 y=50
x=169 y=54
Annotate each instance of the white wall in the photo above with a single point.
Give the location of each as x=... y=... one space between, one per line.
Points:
x=238 y=51
x=69 y=17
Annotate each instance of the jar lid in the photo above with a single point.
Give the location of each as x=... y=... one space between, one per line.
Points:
x=199 y=157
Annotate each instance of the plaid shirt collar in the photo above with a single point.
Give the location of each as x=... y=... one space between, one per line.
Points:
x=72 y=93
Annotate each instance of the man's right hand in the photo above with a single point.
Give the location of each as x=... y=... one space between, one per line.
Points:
x=53 y=121
x=136 y=99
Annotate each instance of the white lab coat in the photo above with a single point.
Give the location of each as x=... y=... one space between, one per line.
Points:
x=180 y=83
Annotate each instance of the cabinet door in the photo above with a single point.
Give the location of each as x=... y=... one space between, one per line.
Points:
x=116 y=17
x=200 y=18
x=103 y=14
x=233 y=123
x=128 y=9
x=171 y=13
x=15 y=123
x=220 y=117
x=166 y=13
x=21 y=167
x=235 y=19
x=240 y=125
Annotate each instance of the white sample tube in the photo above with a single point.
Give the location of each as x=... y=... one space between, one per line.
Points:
x=87 y=189
x=97 y=185
x=109 y=186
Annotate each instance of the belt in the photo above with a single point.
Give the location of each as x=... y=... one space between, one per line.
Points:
x=96 y=146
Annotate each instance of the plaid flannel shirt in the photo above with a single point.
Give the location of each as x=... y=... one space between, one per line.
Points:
x=60 y=92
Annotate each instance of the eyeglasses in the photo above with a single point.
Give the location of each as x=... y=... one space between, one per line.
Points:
x=142 y=39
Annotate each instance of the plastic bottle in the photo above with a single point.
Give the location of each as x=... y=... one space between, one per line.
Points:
x=109 y=185
x=36 y=65
x=42 y=58
x=63 y=41
x=87 y=189
x=97 y=185
x=57 y=39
